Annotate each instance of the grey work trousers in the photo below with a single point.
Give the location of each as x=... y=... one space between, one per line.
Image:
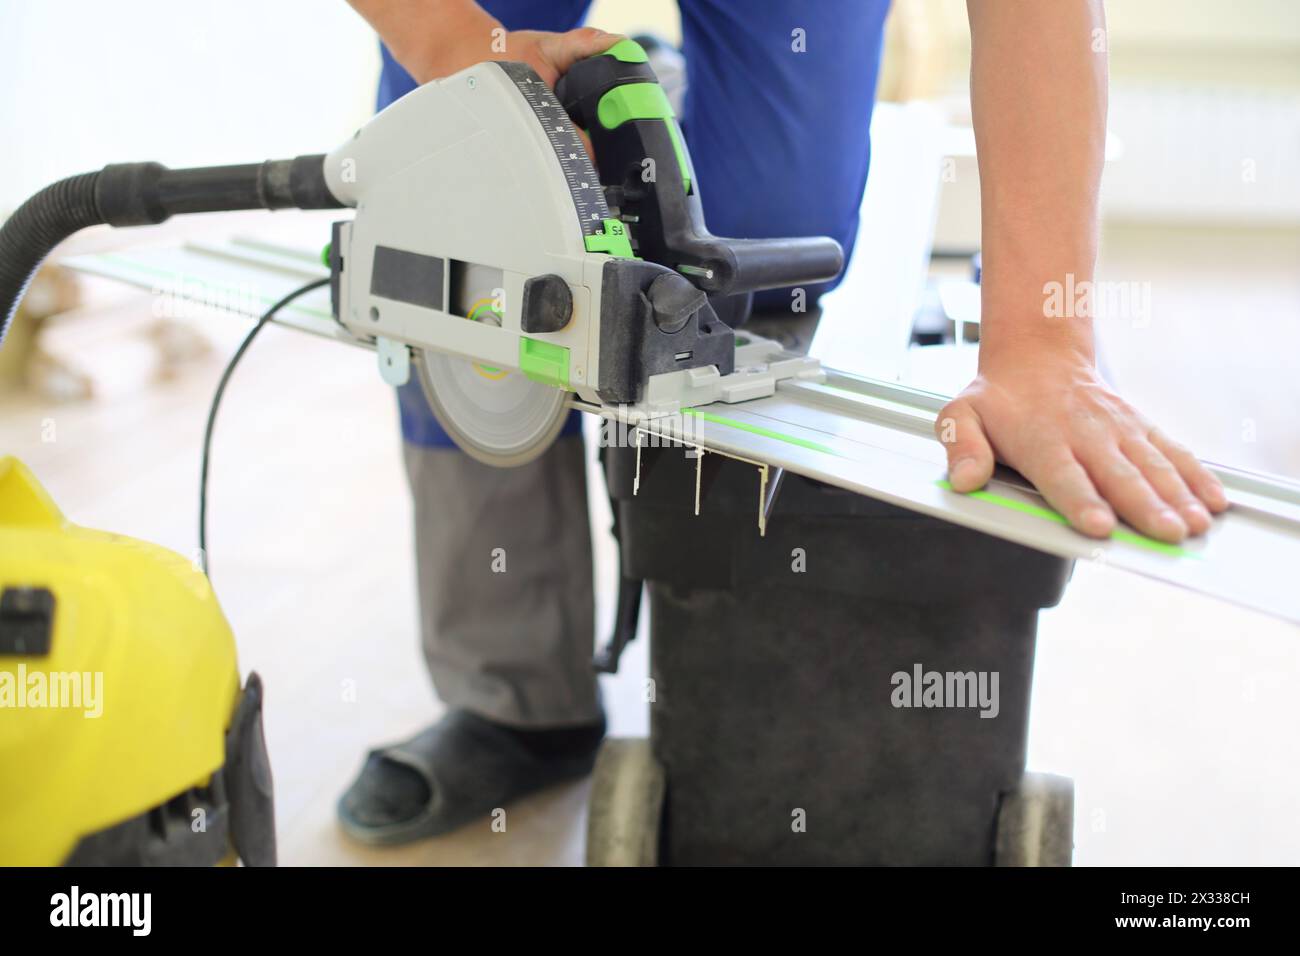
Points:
x=505 y=581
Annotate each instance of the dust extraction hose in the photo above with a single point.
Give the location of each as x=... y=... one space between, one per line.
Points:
x=137 y=194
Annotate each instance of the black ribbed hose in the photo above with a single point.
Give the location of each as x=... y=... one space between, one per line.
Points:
x=136 y=194
x=40 y=224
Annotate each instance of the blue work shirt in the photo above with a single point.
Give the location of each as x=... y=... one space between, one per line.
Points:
x=776 y=117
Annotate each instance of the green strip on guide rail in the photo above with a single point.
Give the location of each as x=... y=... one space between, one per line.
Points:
x=760 y=430
x=1038 y=511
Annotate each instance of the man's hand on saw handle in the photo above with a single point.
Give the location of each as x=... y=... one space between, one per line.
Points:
x=436 y=38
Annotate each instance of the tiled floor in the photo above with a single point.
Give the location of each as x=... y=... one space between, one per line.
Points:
x=1175 y=714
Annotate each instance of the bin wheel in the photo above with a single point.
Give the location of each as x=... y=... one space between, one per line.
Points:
x=1036 y=822
x=626 y=805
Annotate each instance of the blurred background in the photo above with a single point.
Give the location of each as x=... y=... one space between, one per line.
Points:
x=1174 y=713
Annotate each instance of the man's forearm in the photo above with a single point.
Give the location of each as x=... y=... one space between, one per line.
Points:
x=1038 y=98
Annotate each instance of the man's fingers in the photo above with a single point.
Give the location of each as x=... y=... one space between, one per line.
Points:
x=1203 y=484
x=1127 y=489
x=562 y=50
x=1162 y=476
x=1066 y=486
x=970 y=457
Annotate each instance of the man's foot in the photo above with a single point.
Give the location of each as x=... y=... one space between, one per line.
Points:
x=459 y=769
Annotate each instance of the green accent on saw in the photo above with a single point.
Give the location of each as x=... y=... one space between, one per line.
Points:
x=544 y=362
x=628 y=51
x=760 y=430
x=1038 y=511
x=476 y=313
x=676 y=135
x=633 y=101
x=325 y=254
x=643 y=101
x=614 y=240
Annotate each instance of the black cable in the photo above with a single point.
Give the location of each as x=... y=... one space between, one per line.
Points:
x=216 y=403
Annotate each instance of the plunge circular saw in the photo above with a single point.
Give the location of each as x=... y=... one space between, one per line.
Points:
x=485 y=242
x=488 y=259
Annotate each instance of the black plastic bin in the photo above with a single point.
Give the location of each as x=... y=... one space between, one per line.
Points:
x=774 y=714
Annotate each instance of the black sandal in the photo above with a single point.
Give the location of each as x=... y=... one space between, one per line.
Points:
x=455 y=771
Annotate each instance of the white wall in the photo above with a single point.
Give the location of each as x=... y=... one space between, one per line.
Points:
x=88 y=82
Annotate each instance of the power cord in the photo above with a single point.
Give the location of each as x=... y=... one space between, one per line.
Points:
x=267 y=316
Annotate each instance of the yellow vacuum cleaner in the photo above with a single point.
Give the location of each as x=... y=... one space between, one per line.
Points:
x=124 y=735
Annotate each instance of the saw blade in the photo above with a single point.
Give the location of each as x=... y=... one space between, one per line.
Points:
x=498 y=416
